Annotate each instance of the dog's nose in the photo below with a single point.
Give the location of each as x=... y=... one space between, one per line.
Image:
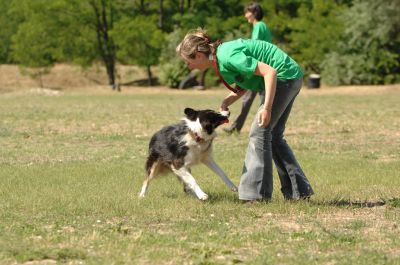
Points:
x=224 y=121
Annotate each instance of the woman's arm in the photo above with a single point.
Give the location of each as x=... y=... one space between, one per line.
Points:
x=269 y=75
x=231 y=98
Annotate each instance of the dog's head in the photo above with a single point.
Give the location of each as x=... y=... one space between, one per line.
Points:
x=204 y=120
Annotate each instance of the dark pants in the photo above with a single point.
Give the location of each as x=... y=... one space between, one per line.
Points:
x=267 y=144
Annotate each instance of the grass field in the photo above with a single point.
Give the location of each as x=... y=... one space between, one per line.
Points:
x=71 y=166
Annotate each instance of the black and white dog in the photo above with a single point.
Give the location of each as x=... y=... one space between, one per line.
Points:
x=178 y=147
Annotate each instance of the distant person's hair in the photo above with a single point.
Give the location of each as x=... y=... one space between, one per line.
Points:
x=256 y=10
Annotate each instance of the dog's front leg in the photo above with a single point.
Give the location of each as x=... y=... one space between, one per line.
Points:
x=209 y=162
x=188 y=180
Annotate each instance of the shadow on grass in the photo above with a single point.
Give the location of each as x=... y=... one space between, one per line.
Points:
x=218 y=197
x=394 y=202
x=142 y=82
x=230 y=197
x=213 y=197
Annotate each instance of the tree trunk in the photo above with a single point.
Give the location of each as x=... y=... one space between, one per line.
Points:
x=142 y=6
x=40 y=78
x=161 y=18
x=104 y=41
x=149 y=75
x=182 y=6
x=110 y=66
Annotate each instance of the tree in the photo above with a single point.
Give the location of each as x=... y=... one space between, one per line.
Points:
x=172 y=68
x=218 y=17
x=84 y=33
x=66 y=31
x=278 y=16
x=34 y=42
x=161 y=14
x=369 y=50
x=139 y=42
x=315 y=32
x=9 y=25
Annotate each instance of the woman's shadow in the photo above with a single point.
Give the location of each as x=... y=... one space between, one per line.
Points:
x=348 y=203
x=336 y=202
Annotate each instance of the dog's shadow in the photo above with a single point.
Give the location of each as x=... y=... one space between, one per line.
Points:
x=213 y=197
x=218 y=197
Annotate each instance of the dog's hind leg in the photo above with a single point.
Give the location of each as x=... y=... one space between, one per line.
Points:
x=150 y=174
x=209 y=162
x=189 y=182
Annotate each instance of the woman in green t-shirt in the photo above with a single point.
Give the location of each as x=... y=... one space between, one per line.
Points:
x=256 y=65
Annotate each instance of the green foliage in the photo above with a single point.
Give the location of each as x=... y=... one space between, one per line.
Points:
x=9 y=25
x=314 y=33
x=34 y=42
x=349 y=41
x=369 y=50
x=172 y=68
x=138 y=40
x=218 y=17
x=76 y=37
x=278 y=15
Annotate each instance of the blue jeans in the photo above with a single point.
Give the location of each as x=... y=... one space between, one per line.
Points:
x=268 y=143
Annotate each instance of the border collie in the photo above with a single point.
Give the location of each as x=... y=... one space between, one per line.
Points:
x=178 y=147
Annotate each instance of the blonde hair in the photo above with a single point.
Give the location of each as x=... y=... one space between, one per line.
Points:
x=195 y=41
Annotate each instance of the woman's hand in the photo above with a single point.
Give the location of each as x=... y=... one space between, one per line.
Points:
x=231 y=98
x=264 y=117
x=269 y=74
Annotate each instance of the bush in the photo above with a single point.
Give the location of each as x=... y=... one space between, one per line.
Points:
x=172 y=68
x=172 y=72
x=368 y=52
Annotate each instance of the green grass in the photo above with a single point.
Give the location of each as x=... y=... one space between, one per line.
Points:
x=71 y=167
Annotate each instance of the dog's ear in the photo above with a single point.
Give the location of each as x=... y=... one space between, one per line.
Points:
x=191 y=114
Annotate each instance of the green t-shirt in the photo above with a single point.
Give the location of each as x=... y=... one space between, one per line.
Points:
x=237 y=61
x=261 y=32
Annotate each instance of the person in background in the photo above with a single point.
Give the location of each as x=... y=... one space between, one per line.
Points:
x=254 y=15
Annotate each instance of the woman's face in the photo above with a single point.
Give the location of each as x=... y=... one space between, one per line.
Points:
x=200 y=62
x=249 y=16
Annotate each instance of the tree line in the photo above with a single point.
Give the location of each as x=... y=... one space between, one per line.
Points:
x=346 y=41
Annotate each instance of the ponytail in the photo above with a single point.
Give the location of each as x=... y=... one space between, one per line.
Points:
x=196 y=41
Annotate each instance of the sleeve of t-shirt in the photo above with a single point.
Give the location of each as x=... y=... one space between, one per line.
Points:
x=242 y=64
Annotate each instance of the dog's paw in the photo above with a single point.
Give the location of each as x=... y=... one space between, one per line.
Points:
x=202 y=197
x=234 y=189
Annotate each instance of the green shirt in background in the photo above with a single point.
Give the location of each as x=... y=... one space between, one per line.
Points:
x=261 y=32
x=237 y=61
